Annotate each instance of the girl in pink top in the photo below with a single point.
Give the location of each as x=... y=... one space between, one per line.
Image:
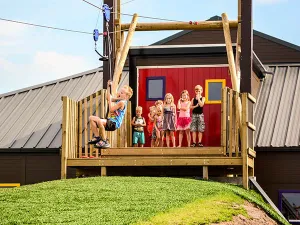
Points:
x=184 y=119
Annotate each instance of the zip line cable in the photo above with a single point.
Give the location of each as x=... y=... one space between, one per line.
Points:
x=147 y=17
x=127 y=2
x=43 y=26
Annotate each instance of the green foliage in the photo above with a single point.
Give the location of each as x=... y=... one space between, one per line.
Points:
x=124 y=200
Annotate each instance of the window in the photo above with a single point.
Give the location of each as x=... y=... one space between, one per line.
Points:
x=213 y=90
x=155 y=88
x=289 y=204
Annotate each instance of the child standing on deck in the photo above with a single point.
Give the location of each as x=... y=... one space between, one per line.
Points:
x=138 y=122
x=150 y=125
x=198 y=124
x=184 y=119
x=158 y=125
x=117 y=111
x=169 y=119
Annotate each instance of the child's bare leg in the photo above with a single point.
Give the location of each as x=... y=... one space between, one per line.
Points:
x=142 y=146
x=161 y=139
x=168 y=138
x=200 y=137
x=94 y=120
x=173 y=138
x=188 y=136
x=180 y=138
x=152 y=142
x=194 y=137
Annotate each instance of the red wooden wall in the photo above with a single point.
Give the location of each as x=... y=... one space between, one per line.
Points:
x=178 y=79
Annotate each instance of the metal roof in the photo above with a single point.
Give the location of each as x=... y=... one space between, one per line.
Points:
x=31 y=117
x=277 y=112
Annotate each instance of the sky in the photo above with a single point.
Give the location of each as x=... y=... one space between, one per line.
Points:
x=31 y=55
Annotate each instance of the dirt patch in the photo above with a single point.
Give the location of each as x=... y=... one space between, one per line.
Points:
x=257 y=215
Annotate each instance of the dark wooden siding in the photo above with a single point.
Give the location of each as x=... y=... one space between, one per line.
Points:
x=30 y=168
x=277 y=171
x=267 y=50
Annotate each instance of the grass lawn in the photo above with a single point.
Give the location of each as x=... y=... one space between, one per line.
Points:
x=126 y=200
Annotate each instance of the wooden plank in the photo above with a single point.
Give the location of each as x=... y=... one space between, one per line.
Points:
x=230 y=122
x=97 y=114
x=76 y=130
x=201 y=25
x=103 y=171
x=224 y=119
x=71 y=128
x=244 y=140
x=64 y=148
x=91 y=133
x=102 y=105
x=161 y=151
x=251 y=126
x=237 y=133
x=205 y=172
x=80 y=128
x=88 y=98
x=85 y=128
x=251 y=98
x=251 y=164
x=129 y=140
x=251 y=152
x=158 y=161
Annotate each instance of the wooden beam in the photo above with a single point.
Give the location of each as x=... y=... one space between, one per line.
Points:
x=251 y=152
x=244 y=141
x=251 y=98
x=202 y=25
x=158 y=161
x=147 y=151
x=246 y=45
x=124 y=53
x=251 y=126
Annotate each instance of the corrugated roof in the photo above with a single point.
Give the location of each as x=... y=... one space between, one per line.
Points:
x=31 y=117
x=277 y=113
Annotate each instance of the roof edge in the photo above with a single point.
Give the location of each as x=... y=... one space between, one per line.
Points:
x=50 y=82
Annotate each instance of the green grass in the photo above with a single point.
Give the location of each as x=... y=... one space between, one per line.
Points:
x=126 y=200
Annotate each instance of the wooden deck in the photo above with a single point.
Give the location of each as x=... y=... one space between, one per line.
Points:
x=236 y=150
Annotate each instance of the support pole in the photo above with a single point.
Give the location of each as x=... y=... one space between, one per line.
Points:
x=238 y=48
x=202 y=25
x=246 y=45
x=106 y=65
x=124 y=53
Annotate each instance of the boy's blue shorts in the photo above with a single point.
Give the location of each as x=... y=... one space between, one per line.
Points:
x=138 y=137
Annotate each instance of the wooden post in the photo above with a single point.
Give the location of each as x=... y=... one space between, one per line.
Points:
x=65 y=134
x=80 y=128
x=103 y=171
x=201 y=25
x=246 y=45
x=205 y=172
x=124 y=53
x=224 y=120
x=244 y=140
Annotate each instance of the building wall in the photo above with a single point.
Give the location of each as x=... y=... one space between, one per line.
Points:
x=30 y=168
x=267 y=51
x=277 y=170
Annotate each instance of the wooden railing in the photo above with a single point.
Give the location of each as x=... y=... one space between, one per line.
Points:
x=76 y=129
x=237 y=137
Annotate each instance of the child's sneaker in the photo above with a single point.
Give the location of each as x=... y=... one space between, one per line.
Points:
x=102 y=144
x=94 y=140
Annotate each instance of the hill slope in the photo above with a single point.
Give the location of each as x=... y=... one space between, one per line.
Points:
x=127 y=200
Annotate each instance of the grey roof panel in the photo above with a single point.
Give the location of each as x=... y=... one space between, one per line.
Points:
x=277 y=115
x=31 y=117
x=293 y=132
